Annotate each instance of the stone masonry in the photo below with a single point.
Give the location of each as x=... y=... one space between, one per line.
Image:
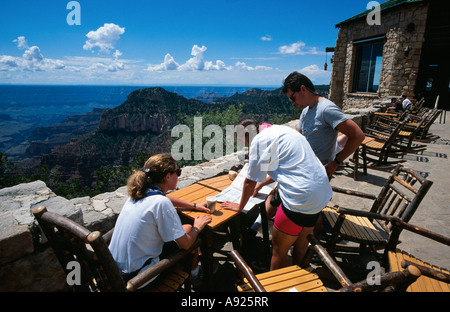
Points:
x=399 y=70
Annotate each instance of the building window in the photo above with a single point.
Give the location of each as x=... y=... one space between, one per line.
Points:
x=369 y=55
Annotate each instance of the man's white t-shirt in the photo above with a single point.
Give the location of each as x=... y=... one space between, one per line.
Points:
x=286 y=156
x=141 y=230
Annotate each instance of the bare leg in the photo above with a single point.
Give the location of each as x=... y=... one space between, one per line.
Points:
x=318 y=227
x=301 y=245
x=281 y=244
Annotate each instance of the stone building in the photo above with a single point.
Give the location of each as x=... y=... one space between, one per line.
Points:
x=405 y=51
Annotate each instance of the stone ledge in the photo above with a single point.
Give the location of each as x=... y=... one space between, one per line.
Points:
x=15 y=242
x=98 y=213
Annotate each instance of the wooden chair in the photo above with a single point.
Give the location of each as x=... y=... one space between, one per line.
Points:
x=404 y=143
x=433 y=278
x=99 y=272
x=378 y=150
x=296 y=279
x=400 y=197
x=422 y=133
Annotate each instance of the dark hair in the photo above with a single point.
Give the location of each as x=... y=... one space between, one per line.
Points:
x=295 y=80
x=247 y=121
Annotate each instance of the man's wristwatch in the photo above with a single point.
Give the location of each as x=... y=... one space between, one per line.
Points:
x=195 y=206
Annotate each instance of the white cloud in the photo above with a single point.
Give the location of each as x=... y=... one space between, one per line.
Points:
x=7 y=61
x=31 y=60
x=266 y=38
x=218 y=66
x=195 y=63
x=33 y=53
x=21 y=42
x=316 y=74
x=298 y=48
x=117 y=54
x=107 y=66
x=168 y=64
x=105 y=37
x=243 y=66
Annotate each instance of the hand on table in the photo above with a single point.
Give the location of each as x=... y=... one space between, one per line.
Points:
x=201 y=221
x=202 y=207
x=230 y=206
x=258 y=187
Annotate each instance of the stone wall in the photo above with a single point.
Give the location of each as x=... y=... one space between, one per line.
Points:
x=398 y=71
x=26 y=262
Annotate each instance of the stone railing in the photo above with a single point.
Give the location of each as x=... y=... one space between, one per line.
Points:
x=26 y=262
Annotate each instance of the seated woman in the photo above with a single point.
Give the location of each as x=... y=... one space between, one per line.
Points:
x=148 y=224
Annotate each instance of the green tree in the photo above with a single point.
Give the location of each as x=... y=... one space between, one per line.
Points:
x=6 y=179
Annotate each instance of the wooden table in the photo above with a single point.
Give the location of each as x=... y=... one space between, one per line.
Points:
x=197 y=193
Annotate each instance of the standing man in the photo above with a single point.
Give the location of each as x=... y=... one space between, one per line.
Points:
x=320 y=122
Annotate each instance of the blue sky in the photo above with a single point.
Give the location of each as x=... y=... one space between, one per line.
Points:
x=196 y=42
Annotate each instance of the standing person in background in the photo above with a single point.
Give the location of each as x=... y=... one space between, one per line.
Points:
x=148 y=227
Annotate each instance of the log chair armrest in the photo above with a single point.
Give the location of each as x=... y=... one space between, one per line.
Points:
x=399 y=224
x=328 y=261
x=373 y=133
x=391 y=281
x=427 y=271
x=353 y=193
x=367 y=214
x=247 y=271
x=142 y=278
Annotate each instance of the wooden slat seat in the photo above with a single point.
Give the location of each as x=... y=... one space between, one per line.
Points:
x=302 y=279
x=423 y=283
x=375 y=144
x=400 y=197
x=383 y=151
x=292 y=278
x=172 y=282
x=433 y=278
x=356 y=228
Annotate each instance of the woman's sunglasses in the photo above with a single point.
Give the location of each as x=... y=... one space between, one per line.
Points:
x=178 y=171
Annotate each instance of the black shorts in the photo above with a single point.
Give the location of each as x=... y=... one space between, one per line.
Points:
x=301 y=219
